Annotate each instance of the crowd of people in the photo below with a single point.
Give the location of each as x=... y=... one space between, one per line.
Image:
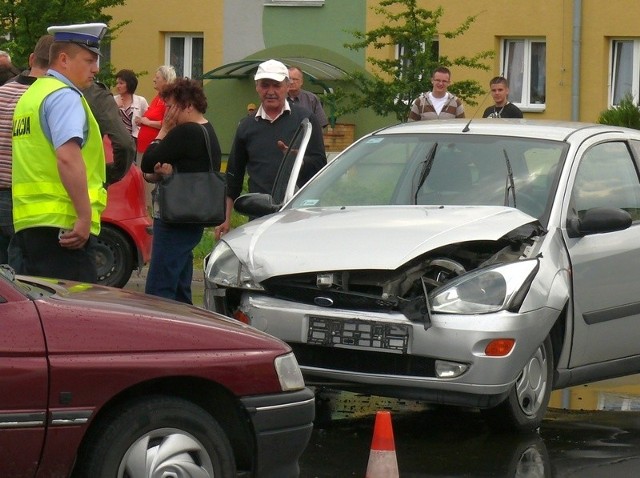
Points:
x=55 y=111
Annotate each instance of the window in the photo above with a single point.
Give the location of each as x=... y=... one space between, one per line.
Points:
x=401 y=52
x=607 y=177
x=293 y=3
x=525 y=66
x=185 y=53
x=625 y=70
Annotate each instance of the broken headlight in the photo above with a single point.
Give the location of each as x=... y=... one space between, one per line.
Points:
x=224 y=269
x=485 y=290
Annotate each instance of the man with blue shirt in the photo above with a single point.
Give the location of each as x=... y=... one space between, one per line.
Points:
x=58 y=161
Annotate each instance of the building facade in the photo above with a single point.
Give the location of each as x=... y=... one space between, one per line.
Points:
x=565 y=59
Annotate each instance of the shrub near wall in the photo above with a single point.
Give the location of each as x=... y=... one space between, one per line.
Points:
x=625 y=114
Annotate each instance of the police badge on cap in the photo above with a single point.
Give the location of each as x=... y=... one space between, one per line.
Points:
x=87 y=35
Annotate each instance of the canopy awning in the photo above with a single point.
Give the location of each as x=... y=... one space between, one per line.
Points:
x=316 y=70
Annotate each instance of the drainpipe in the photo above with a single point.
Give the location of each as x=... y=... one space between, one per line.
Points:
x=575 y=66
x=575 y=110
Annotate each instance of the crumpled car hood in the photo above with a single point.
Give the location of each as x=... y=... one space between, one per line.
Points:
x=351 y=238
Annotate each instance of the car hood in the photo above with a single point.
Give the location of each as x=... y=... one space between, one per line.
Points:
x=86 y=318
x=351 y=238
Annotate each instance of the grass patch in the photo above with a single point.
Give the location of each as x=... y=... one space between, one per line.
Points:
x=208 y=239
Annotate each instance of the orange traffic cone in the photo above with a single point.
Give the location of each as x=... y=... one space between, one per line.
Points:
x=382 y=457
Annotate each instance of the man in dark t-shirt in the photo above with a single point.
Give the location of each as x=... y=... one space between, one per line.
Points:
x=502 y=108
x=257 y=146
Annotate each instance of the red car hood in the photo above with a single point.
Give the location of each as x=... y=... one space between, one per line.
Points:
x=86 y=318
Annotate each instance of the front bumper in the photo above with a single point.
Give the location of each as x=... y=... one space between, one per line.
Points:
x=283 y=424
x=407 y=369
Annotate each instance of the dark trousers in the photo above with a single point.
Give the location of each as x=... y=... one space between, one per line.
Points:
x=6 y=224
x=43 y=256
x=171 y=269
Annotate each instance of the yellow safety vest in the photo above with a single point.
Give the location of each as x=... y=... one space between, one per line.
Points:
x=39 y=197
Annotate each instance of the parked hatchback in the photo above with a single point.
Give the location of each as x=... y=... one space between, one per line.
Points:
x=475 y=264
x=99 y=382
x=124 y=243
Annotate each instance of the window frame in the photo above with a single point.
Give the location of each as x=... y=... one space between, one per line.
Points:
x=525 y=104
x=294 y=3
x=187 y=52
x=399 y=50
x=635 y=70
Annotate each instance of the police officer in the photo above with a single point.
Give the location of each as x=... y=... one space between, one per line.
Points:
x=58 y=161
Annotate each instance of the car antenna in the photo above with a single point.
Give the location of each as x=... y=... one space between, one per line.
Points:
x=466 y=127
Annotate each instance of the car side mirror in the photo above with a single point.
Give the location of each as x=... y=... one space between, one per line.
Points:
x=256 y=204
x=599 y=220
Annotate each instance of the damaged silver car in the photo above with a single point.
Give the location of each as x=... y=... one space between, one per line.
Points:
x=477 y=264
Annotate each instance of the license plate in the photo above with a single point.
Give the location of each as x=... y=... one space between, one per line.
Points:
x=331 y=332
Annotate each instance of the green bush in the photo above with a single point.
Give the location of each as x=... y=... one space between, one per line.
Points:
x=626 y=114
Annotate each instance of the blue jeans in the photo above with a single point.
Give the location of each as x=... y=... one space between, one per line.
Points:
x=171 y=269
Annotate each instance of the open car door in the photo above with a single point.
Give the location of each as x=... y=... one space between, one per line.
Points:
x=285 y=184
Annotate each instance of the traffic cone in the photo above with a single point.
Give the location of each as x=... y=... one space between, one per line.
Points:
x=382 y=457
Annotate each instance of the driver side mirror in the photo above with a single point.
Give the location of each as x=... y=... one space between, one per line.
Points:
x=599 y=220
x=256 y=204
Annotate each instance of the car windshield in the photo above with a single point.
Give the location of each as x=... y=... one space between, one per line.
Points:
x=440 y=169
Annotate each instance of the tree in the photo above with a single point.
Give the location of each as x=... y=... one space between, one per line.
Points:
x=396 y=82
x=22 y=22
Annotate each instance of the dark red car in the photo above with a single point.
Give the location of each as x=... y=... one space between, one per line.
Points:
x=124 y=243
x=100 y=382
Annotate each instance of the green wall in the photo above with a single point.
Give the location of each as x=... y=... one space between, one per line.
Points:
x=327 y=26
x=314 y=32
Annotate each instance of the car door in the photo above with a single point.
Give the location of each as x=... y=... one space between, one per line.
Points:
x=285 y=184
x=23 y=384
x=604 y=266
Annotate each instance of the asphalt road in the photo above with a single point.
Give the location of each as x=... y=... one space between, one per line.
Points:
x=138 y=280
x=449 y=442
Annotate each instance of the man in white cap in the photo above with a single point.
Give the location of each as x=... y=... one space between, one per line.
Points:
x=260 y=138
x=58 y=161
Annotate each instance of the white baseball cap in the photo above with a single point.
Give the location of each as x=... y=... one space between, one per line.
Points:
x=273 y=70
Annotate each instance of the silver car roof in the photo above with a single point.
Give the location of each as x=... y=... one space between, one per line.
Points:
x=524 y=128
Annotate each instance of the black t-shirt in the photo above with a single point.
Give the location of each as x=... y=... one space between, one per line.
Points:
x=507 y=111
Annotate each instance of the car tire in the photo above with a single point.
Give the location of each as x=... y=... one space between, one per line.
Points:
x=156 y=436
x=526 y=405
x=114 y=257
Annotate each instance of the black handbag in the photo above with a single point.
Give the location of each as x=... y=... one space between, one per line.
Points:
x=194 y=198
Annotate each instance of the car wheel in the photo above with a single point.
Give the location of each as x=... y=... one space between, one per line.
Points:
x=159 y=436
x=527 y=402
x=114 y=257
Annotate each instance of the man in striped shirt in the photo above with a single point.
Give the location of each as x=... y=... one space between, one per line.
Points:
x=10 y=93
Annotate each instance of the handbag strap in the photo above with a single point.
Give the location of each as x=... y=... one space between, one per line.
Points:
x=207 y=142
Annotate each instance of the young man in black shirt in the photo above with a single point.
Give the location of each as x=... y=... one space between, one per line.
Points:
x=502 y=108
